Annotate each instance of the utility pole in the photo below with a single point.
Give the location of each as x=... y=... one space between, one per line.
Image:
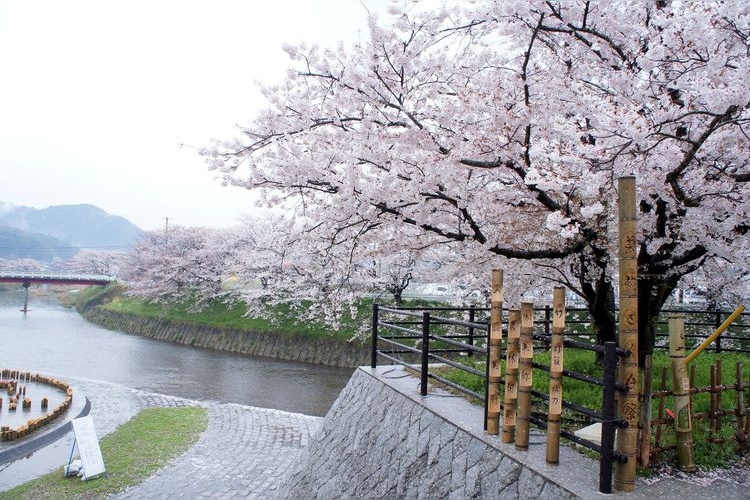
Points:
x=166 y=230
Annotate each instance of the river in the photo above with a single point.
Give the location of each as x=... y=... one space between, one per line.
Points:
x=57 y=341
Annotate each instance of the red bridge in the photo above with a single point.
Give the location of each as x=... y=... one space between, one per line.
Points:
x=48 y=278
x=56 y=279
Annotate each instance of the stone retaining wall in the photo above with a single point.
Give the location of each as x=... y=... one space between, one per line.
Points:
x=381 y=439
x=318 y=350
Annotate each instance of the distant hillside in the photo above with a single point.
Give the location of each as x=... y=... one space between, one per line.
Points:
x=80 y=226
x=19 y=244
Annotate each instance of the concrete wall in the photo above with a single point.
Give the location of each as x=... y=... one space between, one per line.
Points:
x=381 y=439
x=318 y=350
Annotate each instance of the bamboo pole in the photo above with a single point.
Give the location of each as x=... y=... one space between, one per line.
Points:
x=495 y=353
x=627 y=438
x=731 y=319
x=683 y=427
x=511 y=376
x=554 y=411
x=523 y=419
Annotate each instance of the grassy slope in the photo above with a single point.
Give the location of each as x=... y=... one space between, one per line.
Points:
x=280 y=319
x=131 y=454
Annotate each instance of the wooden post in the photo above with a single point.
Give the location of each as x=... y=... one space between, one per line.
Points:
x=719 y=391
x=681 y=389
x=740 y=386
x=712 y=407
x=660 y=414
x=646 y=407
x=511 y=376
x=554 y=411
x=523 y=419
x=495 y=353
x=26 y=285
x=627 y=438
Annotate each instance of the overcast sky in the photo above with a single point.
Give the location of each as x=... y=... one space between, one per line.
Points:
x=96 y=97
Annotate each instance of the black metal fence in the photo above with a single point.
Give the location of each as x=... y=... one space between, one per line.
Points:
x=699 y=324
x=416 y=337
x=409 y=332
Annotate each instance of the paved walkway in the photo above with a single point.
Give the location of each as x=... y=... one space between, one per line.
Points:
x=247 y=452
x=244 y=453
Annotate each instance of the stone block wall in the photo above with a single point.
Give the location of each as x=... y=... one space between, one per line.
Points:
x=382 y=440
x=317 y=350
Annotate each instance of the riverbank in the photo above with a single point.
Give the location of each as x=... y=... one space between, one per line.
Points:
x=315 y=349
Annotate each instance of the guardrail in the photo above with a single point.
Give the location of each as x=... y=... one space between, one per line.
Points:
x=55 y=276
x=417 y=337
x=699 y=324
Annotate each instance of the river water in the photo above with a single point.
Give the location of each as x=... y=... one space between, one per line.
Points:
x=57 y=341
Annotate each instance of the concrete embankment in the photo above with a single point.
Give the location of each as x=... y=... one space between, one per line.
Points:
x=381 y=439
x=318 y=350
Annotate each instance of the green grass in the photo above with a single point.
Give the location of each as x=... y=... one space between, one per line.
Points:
x=131 y=454
x=281 y=319
x=708 y=455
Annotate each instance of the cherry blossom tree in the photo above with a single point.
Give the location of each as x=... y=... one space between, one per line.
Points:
x=92 y=261
x=187 y=265
x=275 y=264
x=21 y=265
x=500 y=129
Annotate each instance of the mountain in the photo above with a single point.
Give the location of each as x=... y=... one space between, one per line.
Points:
x=19 y=244
x=79 y=226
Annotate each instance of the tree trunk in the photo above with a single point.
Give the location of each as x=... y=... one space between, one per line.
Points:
x=652 y=295
x=601 y=305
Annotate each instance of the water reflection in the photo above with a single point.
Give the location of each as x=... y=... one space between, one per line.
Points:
x=54 y=340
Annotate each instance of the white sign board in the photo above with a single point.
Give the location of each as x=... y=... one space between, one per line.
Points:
x=92 y=463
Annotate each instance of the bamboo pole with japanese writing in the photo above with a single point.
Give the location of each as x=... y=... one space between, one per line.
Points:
x=495 y=353
x=554 y=411
x=511 y=376
x=627 y=438
x=681 y=389
x=523 y=418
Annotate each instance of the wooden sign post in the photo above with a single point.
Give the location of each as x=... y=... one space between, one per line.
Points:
x=495 y=353
x=627 y=439
x=554 y=412
x=511 y=376
x=525 y=373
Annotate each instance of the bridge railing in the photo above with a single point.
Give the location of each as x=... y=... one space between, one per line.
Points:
x=40 y=275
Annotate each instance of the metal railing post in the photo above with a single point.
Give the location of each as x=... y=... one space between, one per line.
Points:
x=374 y=351
x=716 y=327
x=425 y=351
x=547 y=319
x=487 y=378
x=470 y=353
x=608 y=417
